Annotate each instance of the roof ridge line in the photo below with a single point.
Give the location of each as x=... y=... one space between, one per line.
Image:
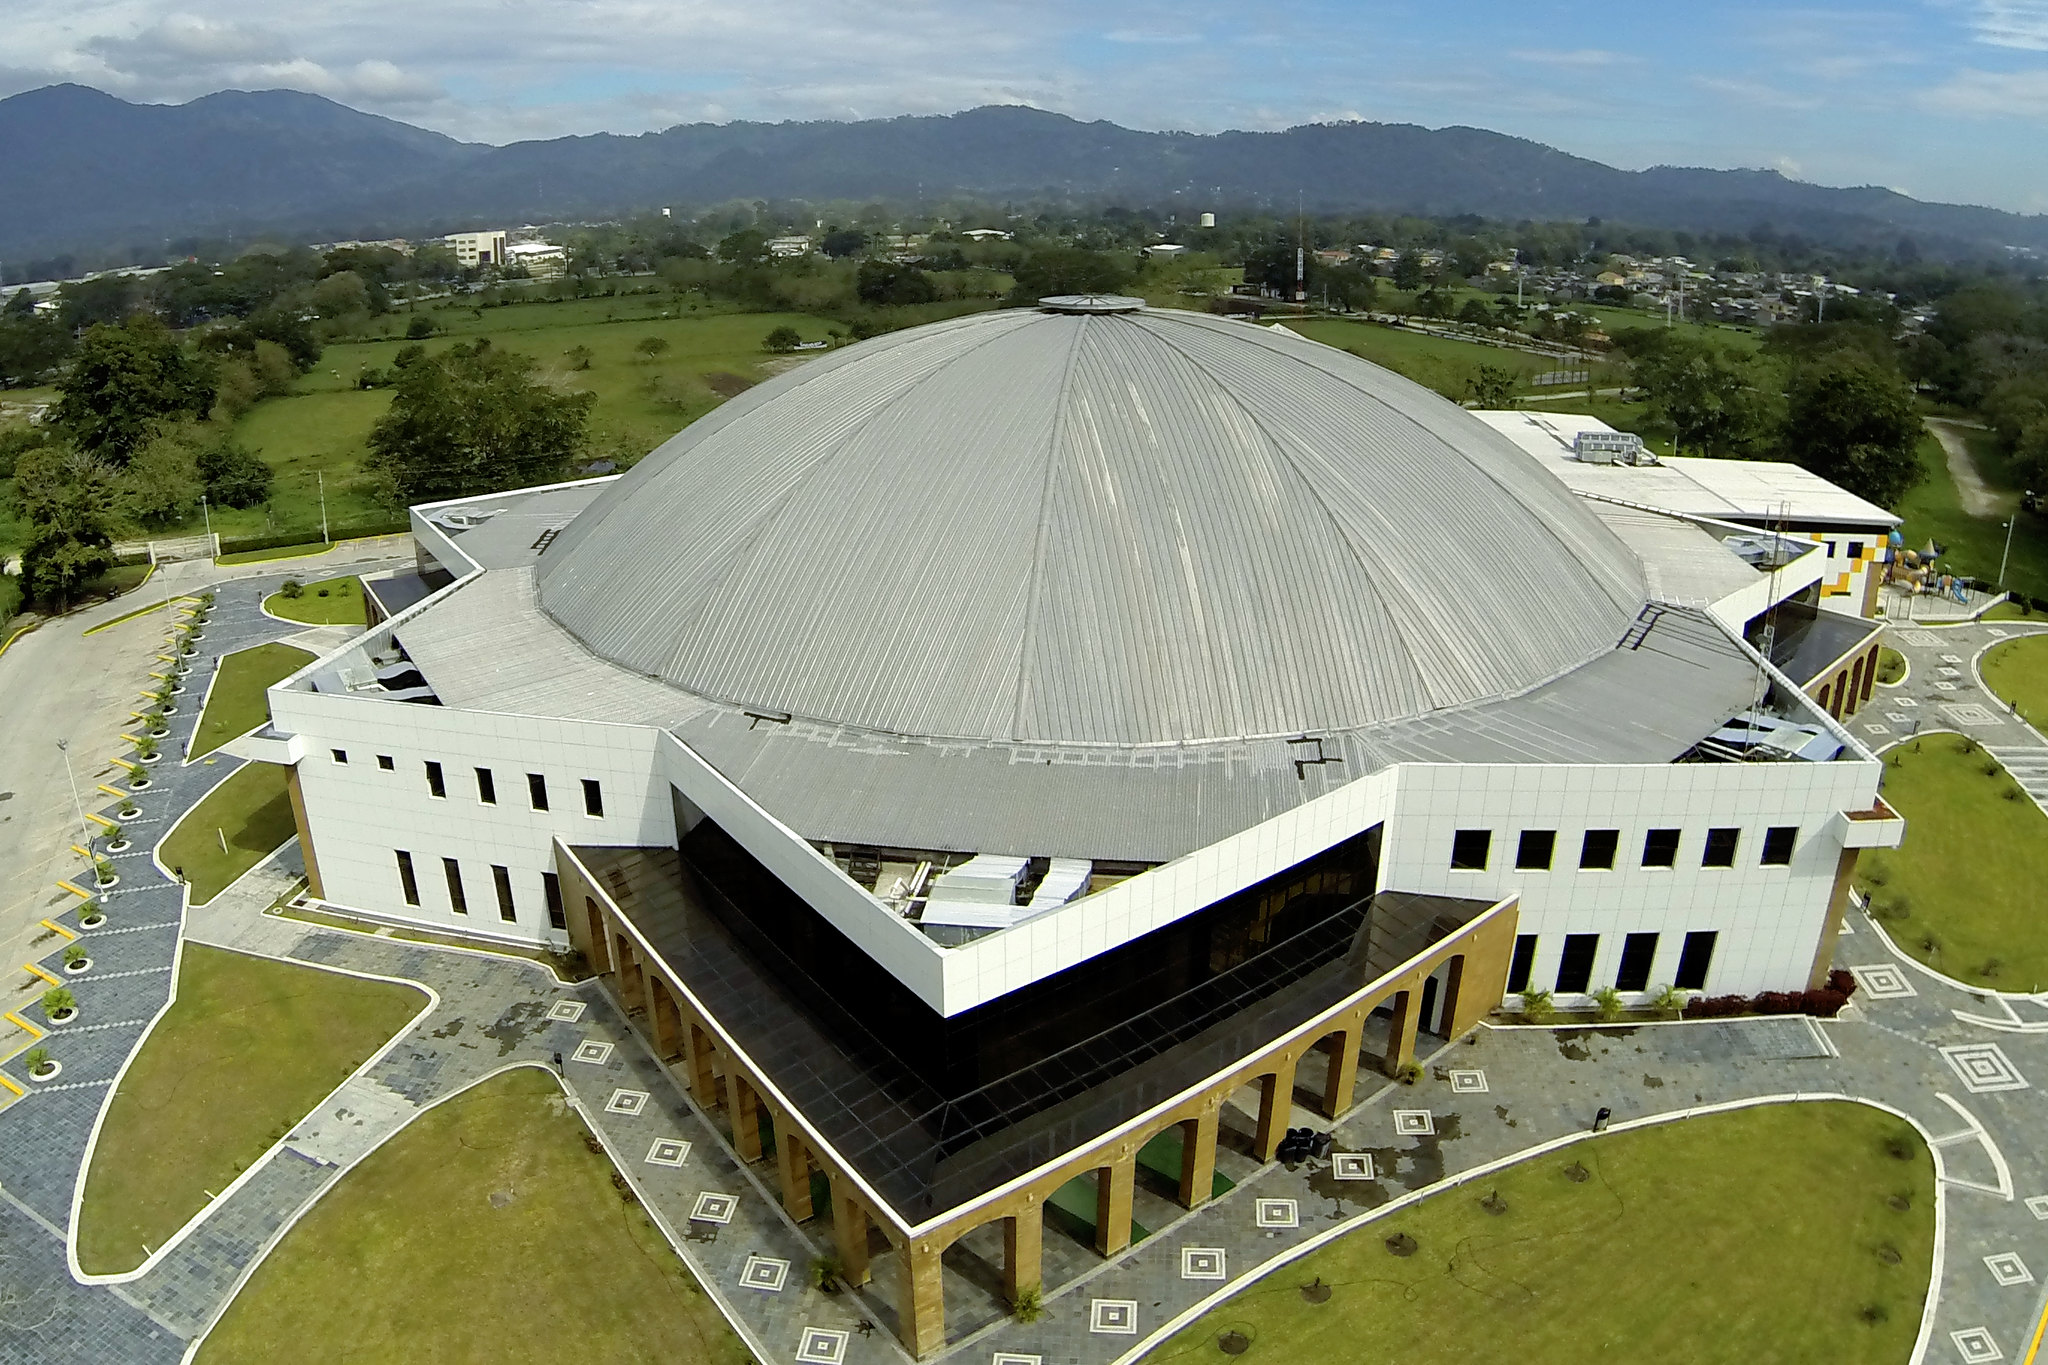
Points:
x=1028 y=652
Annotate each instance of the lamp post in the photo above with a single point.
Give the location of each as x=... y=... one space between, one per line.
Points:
x=2010 y=523
x=64 y=747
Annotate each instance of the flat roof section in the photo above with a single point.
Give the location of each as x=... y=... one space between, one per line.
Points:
x=1749 y=491
x=875 y=1110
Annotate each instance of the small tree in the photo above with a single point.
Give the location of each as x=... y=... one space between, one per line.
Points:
x=292 y=589
x=137 y=773
x=145 y=746
x=650 y=347
x=74 y=953
x=57 y=1000
x=579 y=357
x=1492 y=386
x=782 y=340
x=103 y=871
x=1607 y=1001
x=38 y=1060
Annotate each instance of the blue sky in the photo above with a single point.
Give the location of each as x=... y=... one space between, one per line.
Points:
x=1943 y=99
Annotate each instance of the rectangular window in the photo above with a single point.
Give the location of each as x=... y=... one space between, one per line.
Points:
x=1638 y=955
x=384 y=762
x=558 y=918
x=1534 y=851
x=1520 y=964
x=457 y=902
x=1598 y=849
x=406 y=881
x=502 y=877
x=1778 y=841
x=1660 y=848
x=1855 y=549
x=340 y=755
x=1469 y=848
x=1720 y=850
x=1575 y=967
x=537 y=788
x=593 y=797
x=1693 y=961
x=435 y=785
x=486 y=787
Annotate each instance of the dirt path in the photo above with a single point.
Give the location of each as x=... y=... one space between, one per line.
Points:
x=1977 y=500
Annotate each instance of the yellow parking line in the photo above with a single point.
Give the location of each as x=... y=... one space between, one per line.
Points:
x=102 y=820
x=18 y=1091
x=111 y=791
x=58 y=928
x=81 y=852
x=45 y=976
x=76 y=890
x=2034 y=1346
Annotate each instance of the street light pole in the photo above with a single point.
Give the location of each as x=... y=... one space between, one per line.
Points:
x=322 y=476
x=64 y=747
x=2010 y=523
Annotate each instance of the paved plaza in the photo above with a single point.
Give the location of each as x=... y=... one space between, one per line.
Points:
x=1962 y=1065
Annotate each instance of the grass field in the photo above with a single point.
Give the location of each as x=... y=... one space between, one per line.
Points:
x=246 y=1051
x=323 y=602
x=236 y=704
x=302 y=550
x=2017 y=671
x=485 y=1232
x=1441 y=363
x=239 y=824
x=1975 y=544
x=1961 y=894
x=1891 y=665
x=1739 y=1237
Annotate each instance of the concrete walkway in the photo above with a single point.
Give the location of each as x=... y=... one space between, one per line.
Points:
x=1972 y=493
x=1960 y=1064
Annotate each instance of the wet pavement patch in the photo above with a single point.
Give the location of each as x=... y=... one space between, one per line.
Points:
x=449 y=1029
x=516 y=1025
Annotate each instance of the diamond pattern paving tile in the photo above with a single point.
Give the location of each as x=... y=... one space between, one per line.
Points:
x=1983 y=1068
x=1882 y=981
x=626 y=1102
x=568 y=1011
x=764 y=1273
x=1351 y=1165
x=2008 y=1269
x=1202 y=1263
x=667 y=1152
x=1468 y=1082
x=592 y=1051
x=1115 y=1317
x=1414 y=1122
x=1975 y=1346
x=1277 y=1213
x=714 y=1208
x=820 y=1346
x=2038 y=1206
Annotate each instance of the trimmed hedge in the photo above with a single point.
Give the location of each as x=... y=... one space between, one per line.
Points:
x=1824 y=1003
x=310 y=535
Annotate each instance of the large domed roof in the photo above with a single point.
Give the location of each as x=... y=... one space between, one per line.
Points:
x=1098 y=528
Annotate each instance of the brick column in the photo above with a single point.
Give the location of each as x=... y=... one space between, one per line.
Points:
x=697 y=1065
x=632 y=986
x=924 y=1297
x=1276 y=1106
x=745 y=1107
x=1023 y=1247
x=849 y=1232
x=664 y=1019
x=1198 y=1156
x=1114 y=1186
x=792 y=1166
x=1401 y=1032
x=1342 y=1076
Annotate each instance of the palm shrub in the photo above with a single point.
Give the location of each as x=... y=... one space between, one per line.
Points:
x=137 y=773
x=74 y=954
x=292 y=588
x=57 y=1000
x=825 y=1273
x=103 y=870
x=1029 y=1305
x=145 y=746
x=1669 y=1000
x=1536 y=1006
x=1607 y=1002
x=37 y=1058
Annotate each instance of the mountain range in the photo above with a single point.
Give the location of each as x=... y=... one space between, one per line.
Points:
x=86 y=172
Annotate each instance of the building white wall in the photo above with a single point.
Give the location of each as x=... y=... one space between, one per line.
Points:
x=1769 y=918
x=361 y=815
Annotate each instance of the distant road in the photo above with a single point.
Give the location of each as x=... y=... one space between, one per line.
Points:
x=1977 y=499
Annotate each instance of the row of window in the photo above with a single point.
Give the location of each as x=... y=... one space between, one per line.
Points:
x=1472 y=849
x=487 y=784
x=1633 y=973
x=501 y=882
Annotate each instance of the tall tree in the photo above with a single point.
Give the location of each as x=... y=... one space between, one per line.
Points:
x=1068 y=270
x=125 y=382
x=1715 y=400
x=67 y=498
x=1852 y=421
x=473 y=419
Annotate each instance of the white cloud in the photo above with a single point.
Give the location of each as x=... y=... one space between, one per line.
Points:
x=1580 y=59
x=1755 y=94
x=1990 y=94
x=2012 y=23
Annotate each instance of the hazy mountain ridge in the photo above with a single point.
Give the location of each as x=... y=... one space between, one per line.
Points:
x=88 y=170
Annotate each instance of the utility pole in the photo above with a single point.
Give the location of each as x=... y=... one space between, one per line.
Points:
x=2010 y=523
x=207 y=512
x=322 y=477
x=64 y=747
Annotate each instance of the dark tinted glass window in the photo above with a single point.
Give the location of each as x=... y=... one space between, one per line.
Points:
x=340 y=755
x=406 y=881
x=486 y=787
x=457 y=902
x=1720 y=850
x=1694 y=960
x=537 y=788
x=1660 y=848
x=502 y=878
x=1469 y=848
x=551 y=886
x=1534 y=851
x=1575 y=965
x=1524 y=959
x=593 y=797
x=1778 y=841
x=1638 y=955
x=435 y=785
x=384 y=762
x=1598 y=849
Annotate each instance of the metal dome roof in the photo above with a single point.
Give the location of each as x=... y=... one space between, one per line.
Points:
x=1127 y=529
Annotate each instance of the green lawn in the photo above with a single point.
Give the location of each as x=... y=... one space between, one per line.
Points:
x=1975 y=544
x=1961 y=894
x=236 y=705
x=303 y=550
x=485 y=1232
x=251 y=812
x=2017 y=671
x=247 y=1050
x=2013 y=611
x=1440 y=363
x=1739 y=1237
x=1891 y=665
x=324 y=602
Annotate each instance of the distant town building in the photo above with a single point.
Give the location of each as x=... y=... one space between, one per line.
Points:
x=784 y=248
x=997 y=234
x=543 y=260
x=477 y=248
